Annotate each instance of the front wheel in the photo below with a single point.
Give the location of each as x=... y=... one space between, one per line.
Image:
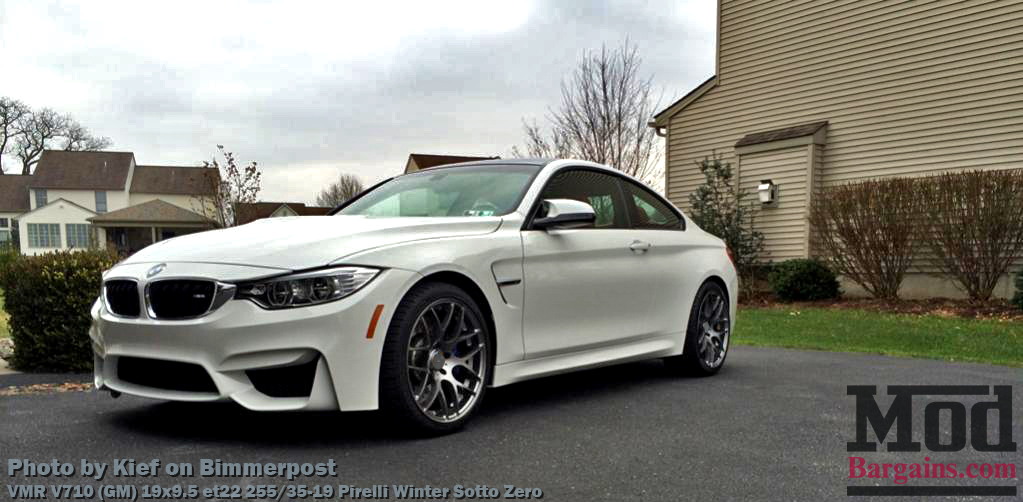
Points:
x=708 y=333
x=436 y=360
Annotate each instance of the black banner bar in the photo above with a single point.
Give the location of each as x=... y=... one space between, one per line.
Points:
x=931 y=491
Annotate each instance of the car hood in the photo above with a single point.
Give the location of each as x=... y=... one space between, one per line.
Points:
x=301 y=242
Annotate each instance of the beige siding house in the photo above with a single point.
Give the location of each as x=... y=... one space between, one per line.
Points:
x=810 y=94
x=78 y=200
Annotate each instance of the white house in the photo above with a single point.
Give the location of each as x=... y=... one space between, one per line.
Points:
x=78 y=200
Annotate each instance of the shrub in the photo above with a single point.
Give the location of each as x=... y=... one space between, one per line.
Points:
x=800 y=280
x=8 y=253
x=974 y=226
x=48 y=298
x=869 y=231
x=722 y=209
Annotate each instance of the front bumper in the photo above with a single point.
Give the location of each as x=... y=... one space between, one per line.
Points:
x=261 y=359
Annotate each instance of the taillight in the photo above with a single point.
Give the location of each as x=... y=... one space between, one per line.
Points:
x=728 y=251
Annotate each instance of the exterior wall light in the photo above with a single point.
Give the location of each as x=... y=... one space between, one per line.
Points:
x=767 y=191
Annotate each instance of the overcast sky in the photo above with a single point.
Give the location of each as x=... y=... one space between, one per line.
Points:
x=310 y=90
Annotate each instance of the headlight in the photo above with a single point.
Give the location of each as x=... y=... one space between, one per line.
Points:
x=306 y=288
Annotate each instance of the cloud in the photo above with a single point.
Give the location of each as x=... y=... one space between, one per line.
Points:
x=313 y=89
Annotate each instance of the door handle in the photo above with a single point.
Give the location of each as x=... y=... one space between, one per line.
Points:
x=639 y=246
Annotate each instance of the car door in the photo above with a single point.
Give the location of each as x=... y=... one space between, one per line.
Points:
x=671 y=279
x=580 y=284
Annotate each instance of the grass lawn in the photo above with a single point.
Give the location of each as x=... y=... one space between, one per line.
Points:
x=846 y=330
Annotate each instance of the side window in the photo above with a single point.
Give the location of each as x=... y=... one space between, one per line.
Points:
x=596 y=189
x=648 y=210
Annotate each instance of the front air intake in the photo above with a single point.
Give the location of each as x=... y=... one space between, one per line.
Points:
x=285 y=381
x=165 y=375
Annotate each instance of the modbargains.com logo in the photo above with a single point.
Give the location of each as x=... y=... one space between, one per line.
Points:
x=960 y=431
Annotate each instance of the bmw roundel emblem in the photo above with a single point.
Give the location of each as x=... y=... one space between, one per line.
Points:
x=155 y=270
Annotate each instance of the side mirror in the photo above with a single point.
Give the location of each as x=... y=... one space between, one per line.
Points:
x=565 y=213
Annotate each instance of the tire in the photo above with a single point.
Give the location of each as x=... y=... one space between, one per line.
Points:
x=437 y=360
x=709 y=323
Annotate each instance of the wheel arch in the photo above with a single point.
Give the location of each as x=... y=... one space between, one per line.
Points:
x=467 y=284
x=719 y=281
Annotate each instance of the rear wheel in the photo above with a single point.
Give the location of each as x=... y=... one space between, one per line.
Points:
x=708 y=334
x=436 y=360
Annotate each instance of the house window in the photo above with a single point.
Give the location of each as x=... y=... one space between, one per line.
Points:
x=5 y=236
x=4 y=223
x=101 y=201
x=43 y=235
x=40 y=197
x=78 y=236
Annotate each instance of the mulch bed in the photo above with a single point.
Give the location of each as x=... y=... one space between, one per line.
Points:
x=999 y=310
x=45 y=388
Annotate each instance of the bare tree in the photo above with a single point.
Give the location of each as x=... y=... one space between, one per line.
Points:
x=30 y=132
x=39 y=129
x=605 y=106
x=227 y=186
x=338 y=192
x=870 y=231
x=77 y=137
x=12 y=116
x=974 y=222
x=538 y=144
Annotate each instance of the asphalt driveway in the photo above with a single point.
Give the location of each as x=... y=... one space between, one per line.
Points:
x=774 y=424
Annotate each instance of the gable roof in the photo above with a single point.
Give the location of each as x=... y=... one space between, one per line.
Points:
x=154 y=211
x=173 y=180
x=662 y=117
x=14 y=193
x=58 y=200
x=779 y=134
x=425 y=160
x=82 y=170
x=245 y=212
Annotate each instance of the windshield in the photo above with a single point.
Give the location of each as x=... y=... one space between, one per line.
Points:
x=491 y=190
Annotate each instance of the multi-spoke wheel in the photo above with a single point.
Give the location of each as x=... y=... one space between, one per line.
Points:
x=436 y=359
x=447 y=360
x=708 y=333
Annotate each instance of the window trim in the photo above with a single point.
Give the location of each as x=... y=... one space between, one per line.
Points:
x=88 y=237
x=681 y=217
x=96 y=197
x=47 y=228
x=535 y=207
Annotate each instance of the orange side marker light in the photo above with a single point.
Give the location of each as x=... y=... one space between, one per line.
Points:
x=373 y=322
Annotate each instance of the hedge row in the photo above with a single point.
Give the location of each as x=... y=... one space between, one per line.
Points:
x=966 y=225
x=48 y=298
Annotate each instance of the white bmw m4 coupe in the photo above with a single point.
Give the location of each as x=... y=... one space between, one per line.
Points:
x=419 y=294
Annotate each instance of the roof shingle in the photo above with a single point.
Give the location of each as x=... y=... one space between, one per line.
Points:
x=82 y=170
x=780 y=134
x=154 y=211
x=14 y=193
x=179 y=180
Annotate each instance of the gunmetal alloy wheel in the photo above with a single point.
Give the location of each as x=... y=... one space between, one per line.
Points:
x=436 y=360
x=707 y=334
x=447 y=360
x=714 y=326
